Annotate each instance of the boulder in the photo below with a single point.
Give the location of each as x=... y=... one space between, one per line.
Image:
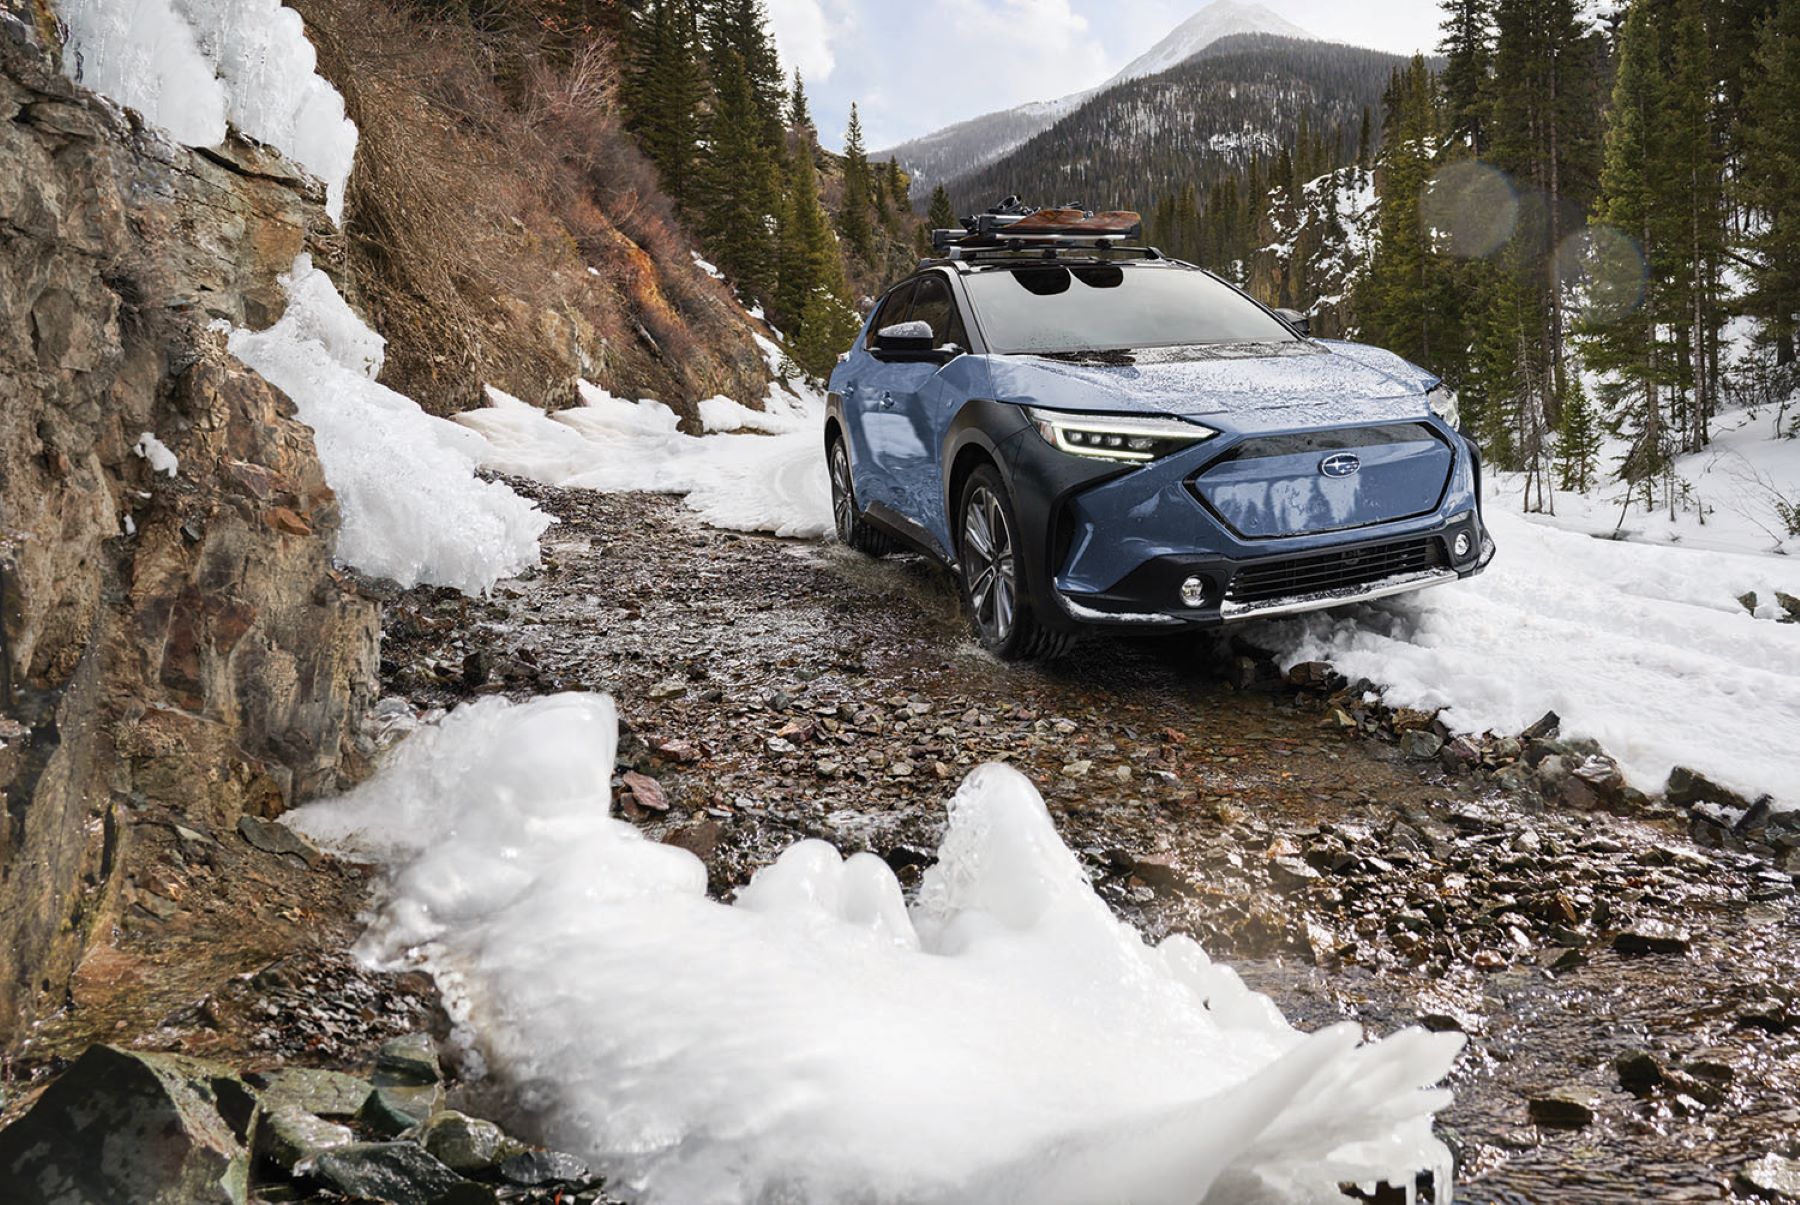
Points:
x=330 y=1094
x=286 y=1135
x=150 y=1129
x=466 y=1144
x=1566 y=1108
x=398 y=1173
x=408 y=1061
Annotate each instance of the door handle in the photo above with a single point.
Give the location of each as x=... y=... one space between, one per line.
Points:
x=886 y=401
x=849 y=391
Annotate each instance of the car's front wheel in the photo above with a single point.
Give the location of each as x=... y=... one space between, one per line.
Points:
x=1000 y=603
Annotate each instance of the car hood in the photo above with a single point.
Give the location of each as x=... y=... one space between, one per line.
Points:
x=1248 y=387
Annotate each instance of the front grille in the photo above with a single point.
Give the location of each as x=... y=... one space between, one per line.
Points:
x=1321 y=573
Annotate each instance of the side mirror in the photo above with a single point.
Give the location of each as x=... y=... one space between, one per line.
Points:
x=1297 y=320
x=906 y=338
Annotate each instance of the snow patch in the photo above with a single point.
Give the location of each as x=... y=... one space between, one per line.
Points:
x=1005 y=1039
x=192 y=66
x=413 y=509
x=767 y=476
x=1643 y=649
x=157 y=453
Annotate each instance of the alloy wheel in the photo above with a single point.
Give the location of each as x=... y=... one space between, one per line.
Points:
x=843 y=500
x=989 y=566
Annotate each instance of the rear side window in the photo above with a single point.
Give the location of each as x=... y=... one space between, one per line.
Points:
x=892 y=310
x=934 y=305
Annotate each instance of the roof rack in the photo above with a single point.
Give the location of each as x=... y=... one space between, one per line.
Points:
x=1011 y=230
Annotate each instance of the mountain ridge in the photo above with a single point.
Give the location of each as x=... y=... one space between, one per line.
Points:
x=955 y=150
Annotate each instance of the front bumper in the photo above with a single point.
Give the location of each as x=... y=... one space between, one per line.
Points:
x=1239 y=590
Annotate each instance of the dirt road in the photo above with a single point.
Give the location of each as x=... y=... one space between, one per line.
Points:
x=1638 y=989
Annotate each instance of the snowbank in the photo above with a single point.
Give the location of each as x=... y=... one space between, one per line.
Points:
x=1005 y=1039
x=191 y=66
x=413 y=508
x=742 y=482
x=1644 y=649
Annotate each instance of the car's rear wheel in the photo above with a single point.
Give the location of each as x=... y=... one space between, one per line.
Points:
x=852 y=529
x=1000 y=604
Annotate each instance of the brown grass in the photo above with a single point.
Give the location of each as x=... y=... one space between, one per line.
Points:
x=490 y=177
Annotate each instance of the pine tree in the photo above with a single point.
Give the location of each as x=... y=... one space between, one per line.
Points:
x=941 y=215
x=809 y=258
x=740 y=29
x=853 y=219
x=1624 y=342
x=1468 y=50
x=1769 y=176
x=1578 y=442
x=827 y=328
x=799 y=112
x=738 y=183
x=662 y=91
x=1545 y=130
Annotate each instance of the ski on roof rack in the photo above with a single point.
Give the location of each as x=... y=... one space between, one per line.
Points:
x=1010 y=228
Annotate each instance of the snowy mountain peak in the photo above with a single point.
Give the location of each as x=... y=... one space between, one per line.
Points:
x=1220 y=19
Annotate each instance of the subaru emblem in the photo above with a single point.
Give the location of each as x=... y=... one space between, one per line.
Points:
x=1339 y=464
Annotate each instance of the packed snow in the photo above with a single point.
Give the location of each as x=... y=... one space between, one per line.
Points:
x=157 y=453
x=193 y=66
x=759 y=470
x=1645 y=649
x=413 y=508
x=1004 y=1038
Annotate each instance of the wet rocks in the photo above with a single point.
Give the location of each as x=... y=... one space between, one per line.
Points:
x=1570 y=1107
x=1651 y=937
x=1421 y=744
x=1771 y=1178
x=643 y=795
x=131 y=1126
x=466 y=1144
x=1639 y=1072
x=162 y=1129
x=273 y=837
x=395 y=1172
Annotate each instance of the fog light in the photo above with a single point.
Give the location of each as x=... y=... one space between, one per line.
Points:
x=1193 y=592
x=1465 y=544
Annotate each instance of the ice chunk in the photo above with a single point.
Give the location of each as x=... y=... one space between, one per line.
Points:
x=144 y=54
x=157 y=453
x=1008 y=1039
x=190 y=66
x=414 y=511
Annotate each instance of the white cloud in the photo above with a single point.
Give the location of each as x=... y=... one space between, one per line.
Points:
x=806 y=36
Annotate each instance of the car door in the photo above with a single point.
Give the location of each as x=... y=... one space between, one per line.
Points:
x=866 y=412
x=914 y=407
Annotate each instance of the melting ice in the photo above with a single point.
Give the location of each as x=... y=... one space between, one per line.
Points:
x=1003 y=1039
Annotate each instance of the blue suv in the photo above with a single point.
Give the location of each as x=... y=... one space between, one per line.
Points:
x=1089 y=433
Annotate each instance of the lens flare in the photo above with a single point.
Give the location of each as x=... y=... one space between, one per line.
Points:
x=1604 y=272
x=1470 y=209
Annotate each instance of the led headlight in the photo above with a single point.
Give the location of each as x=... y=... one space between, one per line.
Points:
x=1445 y=405
x=1116 y=436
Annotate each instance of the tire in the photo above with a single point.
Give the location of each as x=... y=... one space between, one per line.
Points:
x=853 y=530
x=1001 y=609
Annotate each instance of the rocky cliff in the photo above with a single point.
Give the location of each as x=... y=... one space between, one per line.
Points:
x=171 y=634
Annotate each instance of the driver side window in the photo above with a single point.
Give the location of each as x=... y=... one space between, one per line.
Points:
x=934 y=305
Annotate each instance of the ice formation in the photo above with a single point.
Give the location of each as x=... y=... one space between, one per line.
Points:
x=1005 y=1039
x=157 y=453
x=192 y=66
x=413 y=509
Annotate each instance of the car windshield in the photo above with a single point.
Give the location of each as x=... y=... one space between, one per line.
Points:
x=1051 y=309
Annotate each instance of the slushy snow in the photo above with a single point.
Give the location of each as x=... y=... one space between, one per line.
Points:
x=1644 y=649
x=413 y=509
x=1004 y=1039
x=192 y=66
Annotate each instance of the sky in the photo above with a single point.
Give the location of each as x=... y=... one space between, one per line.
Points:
x=894 y=57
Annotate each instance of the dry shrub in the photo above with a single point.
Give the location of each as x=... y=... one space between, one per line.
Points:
x=489 y=180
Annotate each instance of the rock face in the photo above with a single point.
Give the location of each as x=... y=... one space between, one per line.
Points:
x=178 y=640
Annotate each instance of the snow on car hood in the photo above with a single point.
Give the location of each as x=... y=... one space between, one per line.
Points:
x=1260 y=386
